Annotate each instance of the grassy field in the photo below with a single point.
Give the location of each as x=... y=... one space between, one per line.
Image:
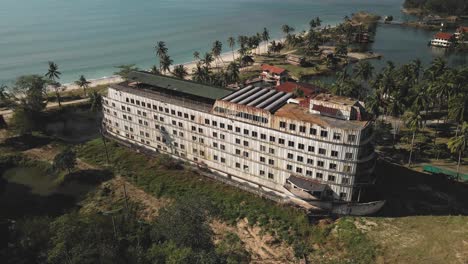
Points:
x=419 y=239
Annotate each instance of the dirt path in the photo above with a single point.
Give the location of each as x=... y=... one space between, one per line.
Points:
x=263 y=248
x=44 y=153
x=113 y=191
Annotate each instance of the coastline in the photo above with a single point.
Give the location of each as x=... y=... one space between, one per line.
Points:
x=229 y=56
x=225 y=59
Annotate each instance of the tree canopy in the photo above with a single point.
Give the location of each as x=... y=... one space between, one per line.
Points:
x=65 y=160
x=449 y=7
x=125 y=69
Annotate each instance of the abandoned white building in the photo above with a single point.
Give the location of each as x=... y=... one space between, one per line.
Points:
x=317 y=148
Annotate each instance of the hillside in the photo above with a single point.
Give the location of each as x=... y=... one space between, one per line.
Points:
x=443 y=7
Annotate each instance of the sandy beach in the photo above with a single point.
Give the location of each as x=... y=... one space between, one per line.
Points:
x=94 y=82
x=228 y=57
x=225 y=58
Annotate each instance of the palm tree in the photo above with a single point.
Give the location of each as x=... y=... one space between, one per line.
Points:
x=154 y=70
x=125 y=70
x=363 y=70
x=161 y=51
x=420 y=100
x=416 y=67
x=458 y=144
x=287 y=29
x=180 y=71
x=395 y=109
x=413 y=122
x=374 y=103
x=216 y=51
x=53 y=74
x=232 y=43
x=318 y=22
x=208 y=59
x=95 y=99
x=196 y=55
x=265 y=35
x=233 y=72
x=166 y=63
x=312 y=23
x=342 y=78
x=242 y=51
x=242 y=40
x=200 y=73
x=458 y=109
x=341 y=49
x=83 y=83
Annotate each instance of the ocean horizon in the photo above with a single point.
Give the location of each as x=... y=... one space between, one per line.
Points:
x=91 y=37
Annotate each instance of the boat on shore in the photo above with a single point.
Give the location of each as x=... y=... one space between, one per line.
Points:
x=312 y=195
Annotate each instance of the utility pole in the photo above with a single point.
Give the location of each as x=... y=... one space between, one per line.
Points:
x=126 y=200
x=105 y=145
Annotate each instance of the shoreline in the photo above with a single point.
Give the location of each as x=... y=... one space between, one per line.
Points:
x=225 y=59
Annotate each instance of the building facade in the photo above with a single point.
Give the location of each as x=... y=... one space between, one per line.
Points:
x=259 y=136
x=442 y=39
x=273 y=74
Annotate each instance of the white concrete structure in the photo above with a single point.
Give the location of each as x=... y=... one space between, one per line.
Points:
x=442 y=39
x=251 y=135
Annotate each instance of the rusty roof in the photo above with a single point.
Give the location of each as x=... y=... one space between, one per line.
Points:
x=308 y=89
x=443 y=35
x=273 y=69
x=335 y=99
x=462 y=29
x=296 y=112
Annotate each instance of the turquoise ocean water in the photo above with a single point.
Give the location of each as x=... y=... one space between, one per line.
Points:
x=90 y=37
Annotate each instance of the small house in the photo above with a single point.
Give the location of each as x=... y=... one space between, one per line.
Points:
x=273 y=74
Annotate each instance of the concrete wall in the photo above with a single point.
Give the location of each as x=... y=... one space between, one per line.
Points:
x=188 y=135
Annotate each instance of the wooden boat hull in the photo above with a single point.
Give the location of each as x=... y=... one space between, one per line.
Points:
x=356 y=209
x=335 y=207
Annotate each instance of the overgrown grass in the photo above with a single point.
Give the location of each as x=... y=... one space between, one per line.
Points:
x=15 y=160
x=420 y=239
x=229 y=204
x=359 y=248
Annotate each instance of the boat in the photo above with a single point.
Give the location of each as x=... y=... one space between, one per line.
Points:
x=312 y=195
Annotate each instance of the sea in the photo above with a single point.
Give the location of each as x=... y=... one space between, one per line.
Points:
x=91 y=37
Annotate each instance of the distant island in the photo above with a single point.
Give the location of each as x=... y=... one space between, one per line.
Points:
x=442 y=7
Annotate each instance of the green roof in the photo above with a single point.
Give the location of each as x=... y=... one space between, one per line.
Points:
x=180 y=85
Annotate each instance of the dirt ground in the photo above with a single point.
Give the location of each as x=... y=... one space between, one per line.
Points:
x=44 y=153
x=113 y=192
x=263 y=248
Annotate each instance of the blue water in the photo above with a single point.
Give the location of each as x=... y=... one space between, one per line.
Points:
x=90 y=37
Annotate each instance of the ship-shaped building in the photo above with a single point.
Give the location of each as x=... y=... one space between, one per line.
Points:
x=302 y=143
